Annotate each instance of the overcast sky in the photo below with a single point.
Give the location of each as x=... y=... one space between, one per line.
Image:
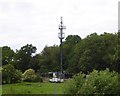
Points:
x=36 y=21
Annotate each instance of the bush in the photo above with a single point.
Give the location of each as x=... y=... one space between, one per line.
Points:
x=17 y=76
x=96 y=83
x=30 y=76
x=75 y=83
x=10 y=74
x=38 y=78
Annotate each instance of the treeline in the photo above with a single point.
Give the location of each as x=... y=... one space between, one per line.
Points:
x=79 y=55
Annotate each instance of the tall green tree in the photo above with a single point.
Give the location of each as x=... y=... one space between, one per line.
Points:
x=117 y=54
x=49 y=59
x=7 y=55
x=68 y=50
x=24 y=57
x=94 y=52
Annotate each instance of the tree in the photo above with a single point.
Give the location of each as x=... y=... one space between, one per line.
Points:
x=72 y=40
x=24 y=57
x=35 y=62
x=94 y=52
x=68 y=51
x=49 y=59
x=7 y=55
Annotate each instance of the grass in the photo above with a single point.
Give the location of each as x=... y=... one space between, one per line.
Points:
x=33 y=88
x=0 y=90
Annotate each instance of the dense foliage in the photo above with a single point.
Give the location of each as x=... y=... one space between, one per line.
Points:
x=95 y=52
x=79 y=55
x=24 y=56
x=10 y=74
x=7 y=55
x=97 y=83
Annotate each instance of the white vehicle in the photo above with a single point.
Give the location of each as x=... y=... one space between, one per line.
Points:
x=56 y=80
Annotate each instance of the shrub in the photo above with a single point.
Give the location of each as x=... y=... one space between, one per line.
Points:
x=75 y=83
x=38 y=78
x=30 y=76
x=96 y=83
x=10 y=74
x=17 y=76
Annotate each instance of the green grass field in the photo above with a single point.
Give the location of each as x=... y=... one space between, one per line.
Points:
x=33 y=88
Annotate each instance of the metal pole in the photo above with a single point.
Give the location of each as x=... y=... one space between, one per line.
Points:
x=61 y=57
x=61 y=36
